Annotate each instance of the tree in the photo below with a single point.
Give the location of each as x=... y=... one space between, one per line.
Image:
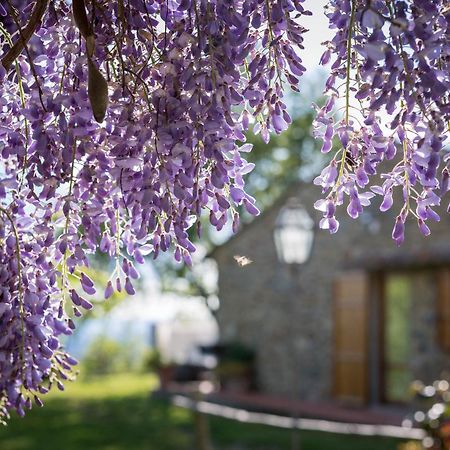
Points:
x=122 y=121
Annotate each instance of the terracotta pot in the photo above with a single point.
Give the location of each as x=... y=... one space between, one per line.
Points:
x=165 y=376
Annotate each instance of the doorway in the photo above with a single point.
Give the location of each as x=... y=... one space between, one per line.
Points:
x=396 y=333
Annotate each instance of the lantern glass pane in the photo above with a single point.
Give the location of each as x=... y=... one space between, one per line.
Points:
x=293 y=235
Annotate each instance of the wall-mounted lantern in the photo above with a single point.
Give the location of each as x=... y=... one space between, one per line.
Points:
x=294 y=233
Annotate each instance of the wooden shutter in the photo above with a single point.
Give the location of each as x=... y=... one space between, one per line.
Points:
x=443 y=309
x=351 y=304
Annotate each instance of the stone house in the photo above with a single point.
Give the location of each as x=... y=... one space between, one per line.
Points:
x=357 y=321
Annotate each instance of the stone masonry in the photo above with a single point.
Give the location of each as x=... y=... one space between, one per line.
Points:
x=284 y=312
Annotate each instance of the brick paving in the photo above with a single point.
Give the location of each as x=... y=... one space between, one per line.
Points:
x=318 y=410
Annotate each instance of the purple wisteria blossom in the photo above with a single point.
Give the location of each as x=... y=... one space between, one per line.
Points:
x=390 y=75
x=121 y=123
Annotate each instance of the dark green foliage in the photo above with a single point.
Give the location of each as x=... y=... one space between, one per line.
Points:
x=236 y=351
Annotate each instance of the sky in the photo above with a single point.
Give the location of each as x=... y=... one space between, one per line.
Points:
x=317 y=24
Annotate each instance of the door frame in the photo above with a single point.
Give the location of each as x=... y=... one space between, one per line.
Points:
x=382 y=300
x=381 y=329
x=376 y=363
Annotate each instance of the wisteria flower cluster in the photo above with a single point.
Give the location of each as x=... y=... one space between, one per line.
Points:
x=120 y=124
x=390 y=76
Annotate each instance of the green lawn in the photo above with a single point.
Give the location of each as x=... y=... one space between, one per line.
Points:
x=116 y=413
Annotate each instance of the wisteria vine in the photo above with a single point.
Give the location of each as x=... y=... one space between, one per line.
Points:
x=391 y=71
x=122 y=122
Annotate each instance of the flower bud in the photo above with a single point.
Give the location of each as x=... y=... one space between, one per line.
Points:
x=98 y=92
x=80 y=17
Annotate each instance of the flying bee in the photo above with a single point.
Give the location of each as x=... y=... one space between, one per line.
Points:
x=242 y=260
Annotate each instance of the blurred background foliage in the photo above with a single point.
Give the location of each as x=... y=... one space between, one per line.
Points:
x=108 y=356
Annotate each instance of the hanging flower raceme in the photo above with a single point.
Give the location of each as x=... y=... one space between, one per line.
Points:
x=390 y=76
x=31 y=315
x=120 y=124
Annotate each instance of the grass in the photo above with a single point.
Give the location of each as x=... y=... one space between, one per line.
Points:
x=116 y=413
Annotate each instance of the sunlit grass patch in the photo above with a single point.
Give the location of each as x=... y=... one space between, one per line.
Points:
x=116 y=412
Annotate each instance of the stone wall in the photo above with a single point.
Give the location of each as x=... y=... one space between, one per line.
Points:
x=284 y=311
x=430 y=361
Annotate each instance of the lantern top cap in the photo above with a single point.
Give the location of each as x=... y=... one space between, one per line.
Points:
x=294 y=214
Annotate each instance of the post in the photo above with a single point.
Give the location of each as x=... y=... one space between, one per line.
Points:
x=200 y=420
x=295 y=434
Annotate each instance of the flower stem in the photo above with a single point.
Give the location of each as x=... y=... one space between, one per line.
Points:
x=349 y=58
x=347 y=85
